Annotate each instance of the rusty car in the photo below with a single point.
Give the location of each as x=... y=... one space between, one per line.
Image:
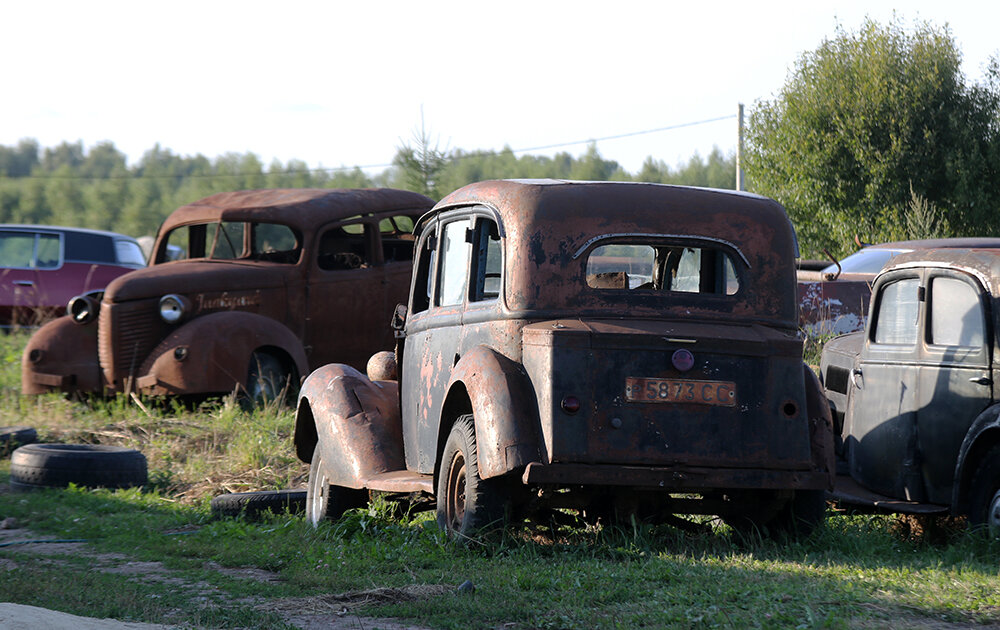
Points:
x=621 y=349
x=914 y=395
x=269 y=284
x=42 y=267
x=834 y=300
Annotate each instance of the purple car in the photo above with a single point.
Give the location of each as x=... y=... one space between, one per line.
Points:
x=43 y=267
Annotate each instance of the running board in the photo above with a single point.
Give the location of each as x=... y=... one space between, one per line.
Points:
x=847 y=491
x=401 y=481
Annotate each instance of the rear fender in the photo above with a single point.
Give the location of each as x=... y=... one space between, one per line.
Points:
x=981 y=436
x=354 y=420
x=821 y=442
x=62 y=356
x=211 y=353
x=508 y=435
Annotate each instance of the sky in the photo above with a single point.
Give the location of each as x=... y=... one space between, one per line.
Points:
x=339 y=83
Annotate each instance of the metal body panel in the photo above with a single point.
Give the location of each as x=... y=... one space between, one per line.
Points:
x=64 y=351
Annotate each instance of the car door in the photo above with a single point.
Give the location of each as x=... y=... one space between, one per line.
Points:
x=28 y=261
x=433 y=333
x=880 y=428
x=954 y=383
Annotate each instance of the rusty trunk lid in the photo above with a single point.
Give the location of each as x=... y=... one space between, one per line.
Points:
x=654 y=392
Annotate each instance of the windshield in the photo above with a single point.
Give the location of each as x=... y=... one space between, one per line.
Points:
x=865 y=261
x=232 y=240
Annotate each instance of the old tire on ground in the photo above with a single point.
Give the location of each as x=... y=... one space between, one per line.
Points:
x=984 y=500
x=253 y=505
x=764 y=514
x=467 y=504
x=268 y=379
x=325 y=502
x=57 y=465
x=12 y=437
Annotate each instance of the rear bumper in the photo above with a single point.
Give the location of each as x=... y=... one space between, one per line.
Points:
x=676 y=478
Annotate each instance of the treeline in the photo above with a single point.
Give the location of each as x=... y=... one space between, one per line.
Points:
x=95 y=188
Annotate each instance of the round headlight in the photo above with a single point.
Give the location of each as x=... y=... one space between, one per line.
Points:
x=173 y=308
x=83 y=309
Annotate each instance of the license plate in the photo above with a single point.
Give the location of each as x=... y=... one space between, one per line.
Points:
x=669 y=390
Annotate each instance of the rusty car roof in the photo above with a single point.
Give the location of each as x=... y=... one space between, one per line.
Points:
x=550 y=224
x=307 y=208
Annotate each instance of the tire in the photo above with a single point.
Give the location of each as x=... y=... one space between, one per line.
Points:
x=466 y=504
x=253 y=505
x=325 y=502
x=268 y=379
x=57 y=465
x=13 y=437
x=984 y=499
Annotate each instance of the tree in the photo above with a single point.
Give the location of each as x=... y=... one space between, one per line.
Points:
x=421 y=164
x=867 y=123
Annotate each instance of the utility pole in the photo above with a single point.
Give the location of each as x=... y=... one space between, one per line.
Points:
x=739 y=151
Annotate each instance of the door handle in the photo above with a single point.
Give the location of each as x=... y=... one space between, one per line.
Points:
x=981 y=380
x=855 y=374
x=24 y=283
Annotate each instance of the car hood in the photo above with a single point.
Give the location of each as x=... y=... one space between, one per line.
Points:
x=186 y=277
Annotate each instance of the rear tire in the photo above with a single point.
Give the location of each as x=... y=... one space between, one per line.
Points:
x=325 y=502
x=467 y=504
x=58 y=465
x=760 y=513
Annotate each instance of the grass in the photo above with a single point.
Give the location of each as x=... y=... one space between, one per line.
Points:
x=156 y=555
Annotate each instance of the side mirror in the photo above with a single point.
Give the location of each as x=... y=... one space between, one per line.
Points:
x=399 y=320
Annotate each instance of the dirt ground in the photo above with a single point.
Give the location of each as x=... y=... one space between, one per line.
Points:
x=341 y=611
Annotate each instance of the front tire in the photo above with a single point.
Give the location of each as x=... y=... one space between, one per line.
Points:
x=326 y=502
x=268 y=379
x=984 y=507
x=467 y=504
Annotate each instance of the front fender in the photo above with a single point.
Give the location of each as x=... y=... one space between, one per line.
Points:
x=821 y=438
x=508 y=434
x=62 y=356
x=355 y=422
x=211 y=353
x=984 y=433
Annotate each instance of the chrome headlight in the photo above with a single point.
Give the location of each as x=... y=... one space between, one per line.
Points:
x=84 y=308
x=174 y=308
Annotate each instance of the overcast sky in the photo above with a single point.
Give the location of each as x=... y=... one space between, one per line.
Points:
x=343 y=83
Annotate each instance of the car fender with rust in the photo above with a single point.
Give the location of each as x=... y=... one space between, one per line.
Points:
x=508 y=431
x=354 y=421
x=984 y=433
x=821 y=437
x=62 y=356
x=212 y=353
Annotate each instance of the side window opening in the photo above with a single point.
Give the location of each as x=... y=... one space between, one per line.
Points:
x=343 y=247
x=658 y=268
x=956 y=314
x=397 y=238
x=48 y=252
x=274 y=242
x=454 y=265
x=226 y=240
x=896 y=318
x=487 y=261
x=423 y=285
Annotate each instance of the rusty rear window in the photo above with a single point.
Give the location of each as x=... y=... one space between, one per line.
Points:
x=656 y=267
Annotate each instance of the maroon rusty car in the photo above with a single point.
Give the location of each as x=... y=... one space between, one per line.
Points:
x=270 y=284
x=42 y=267
x=618 y=348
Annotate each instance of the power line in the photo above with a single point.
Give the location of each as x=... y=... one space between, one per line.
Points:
x=384 y=166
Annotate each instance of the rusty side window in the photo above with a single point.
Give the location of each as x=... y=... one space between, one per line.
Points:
x=454 y=265
x=657 y=268
x=956 y=314
x=225 y=241
x=397 y=238
x=896 y=318
x=273 y=242
x=486 y=260
x=423 y=281
x=343 y=247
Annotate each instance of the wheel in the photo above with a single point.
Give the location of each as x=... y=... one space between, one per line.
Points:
x=58 y=465
x=268 y=379
x=773 y=514
x=327 y=502
x=984 y=505
x=253 y=505
x=467 y=504
x=12 y=437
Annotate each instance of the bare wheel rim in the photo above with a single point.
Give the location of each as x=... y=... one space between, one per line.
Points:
x=455 y=499
x=319 y=491
x=993 y=515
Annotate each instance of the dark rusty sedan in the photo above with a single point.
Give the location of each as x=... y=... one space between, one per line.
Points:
x=914 y=395
x=621 y=349
x=269 y=284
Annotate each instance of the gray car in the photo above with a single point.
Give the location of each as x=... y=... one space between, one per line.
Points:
x=913 y=395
